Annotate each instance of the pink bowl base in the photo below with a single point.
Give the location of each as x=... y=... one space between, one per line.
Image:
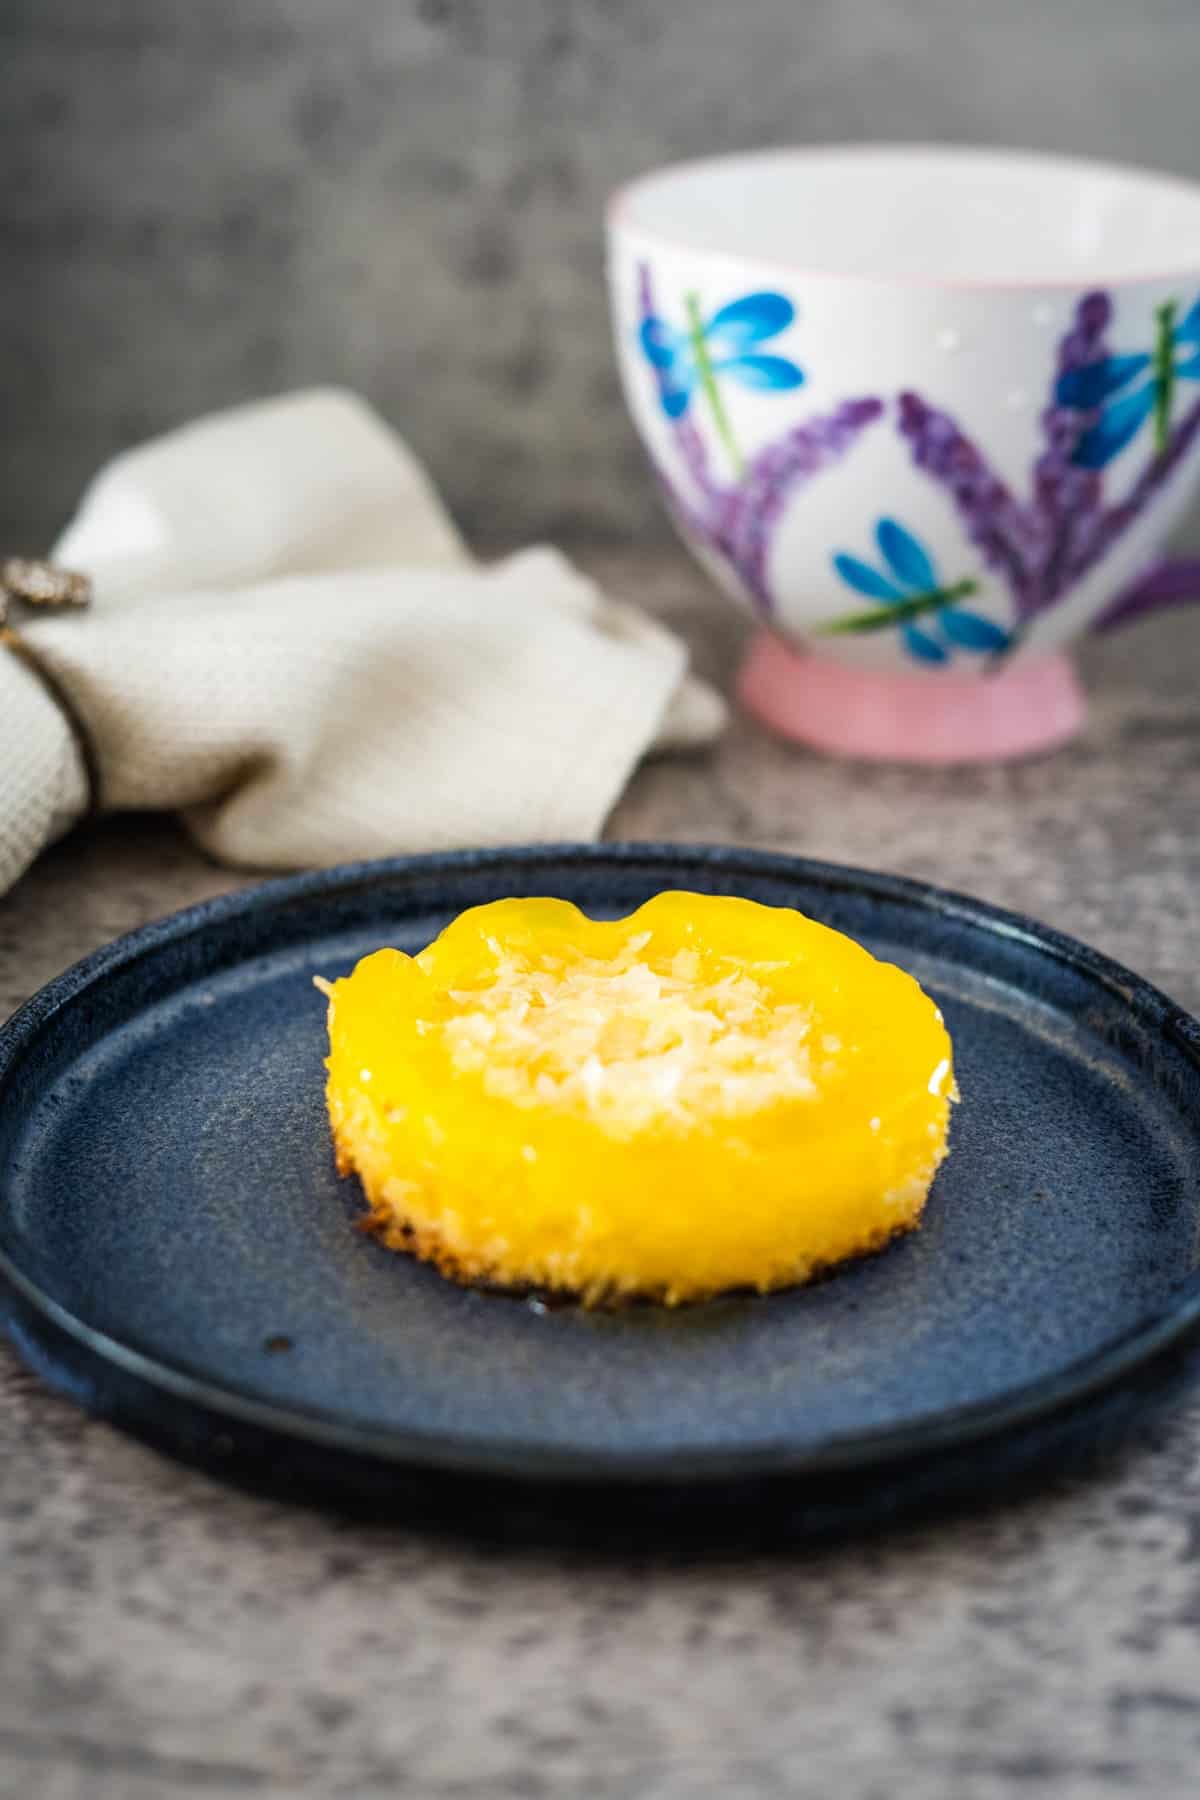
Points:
x=930 y=716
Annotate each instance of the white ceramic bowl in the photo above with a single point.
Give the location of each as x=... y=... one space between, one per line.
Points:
x=930 y=412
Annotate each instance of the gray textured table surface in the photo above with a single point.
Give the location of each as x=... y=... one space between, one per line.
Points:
x=161 y=1636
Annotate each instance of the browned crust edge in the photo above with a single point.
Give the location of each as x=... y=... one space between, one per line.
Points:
x=425 y=1244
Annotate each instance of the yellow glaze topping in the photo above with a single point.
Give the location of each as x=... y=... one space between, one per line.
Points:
x=708 y=1094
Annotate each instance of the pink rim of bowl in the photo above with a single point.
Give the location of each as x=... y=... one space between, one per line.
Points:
x=935 y=718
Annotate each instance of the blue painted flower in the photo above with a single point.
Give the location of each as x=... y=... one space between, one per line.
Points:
x=726 y=345
x=911 y=589
x=1089 y=387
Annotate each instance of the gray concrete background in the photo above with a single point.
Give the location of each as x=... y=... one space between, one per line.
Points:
x=200 y=203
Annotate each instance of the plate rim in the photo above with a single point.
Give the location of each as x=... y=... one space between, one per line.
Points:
x=974 y=1424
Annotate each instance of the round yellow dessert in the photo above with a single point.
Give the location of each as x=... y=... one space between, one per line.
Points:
x=708 y=1094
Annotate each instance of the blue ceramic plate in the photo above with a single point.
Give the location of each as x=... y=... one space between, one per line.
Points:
x=178 y=1253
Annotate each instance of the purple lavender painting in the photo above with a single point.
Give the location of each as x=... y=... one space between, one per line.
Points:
x=1043 y=545
x=1100 y=401
x=734 y=521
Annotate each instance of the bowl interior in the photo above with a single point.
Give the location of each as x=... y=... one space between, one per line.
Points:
x=926 y=213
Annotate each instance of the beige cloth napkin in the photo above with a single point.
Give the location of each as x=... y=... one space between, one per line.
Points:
x=290 y=645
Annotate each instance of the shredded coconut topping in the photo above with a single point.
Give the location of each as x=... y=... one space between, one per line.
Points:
x=629 y=1039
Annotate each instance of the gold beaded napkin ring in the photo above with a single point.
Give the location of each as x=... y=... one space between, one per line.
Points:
x=30 y=581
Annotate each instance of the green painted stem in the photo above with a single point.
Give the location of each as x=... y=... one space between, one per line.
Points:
x=708 y=381
x=1164 y=372
x=902 y=613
